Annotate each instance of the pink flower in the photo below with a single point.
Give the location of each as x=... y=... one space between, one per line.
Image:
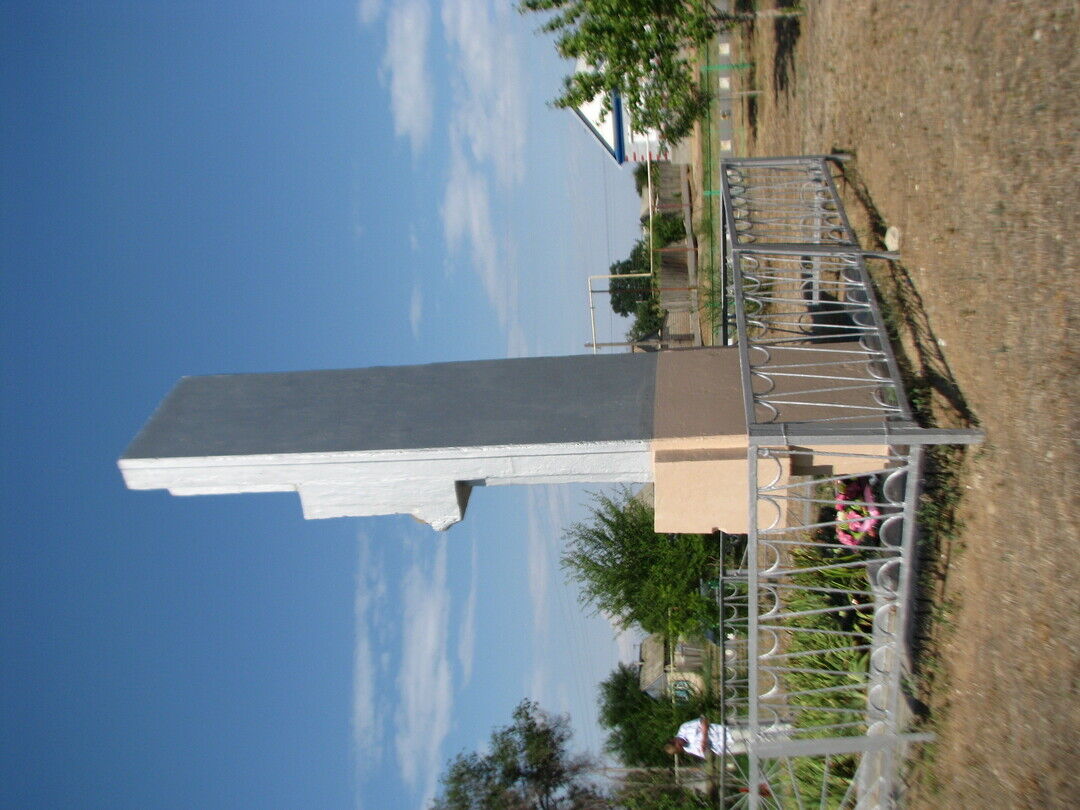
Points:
x=856 y=522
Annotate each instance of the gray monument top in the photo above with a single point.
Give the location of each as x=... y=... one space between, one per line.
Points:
x=542 y=400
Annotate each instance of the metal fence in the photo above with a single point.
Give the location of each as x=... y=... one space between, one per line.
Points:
x=814 y=632
x=814 y=609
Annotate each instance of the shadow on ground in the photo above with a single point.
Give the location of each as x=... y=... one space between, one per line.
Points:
x=786 y=31
x=937 y=401
x=746 y=7
x=932 y=387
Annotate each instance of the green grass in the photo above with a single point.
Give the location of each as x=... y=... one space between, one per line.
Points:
x=809 y=773
x=709 y=262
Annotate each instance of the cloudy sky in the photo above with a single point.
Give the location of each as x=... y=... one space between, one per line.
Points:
x=238 y=187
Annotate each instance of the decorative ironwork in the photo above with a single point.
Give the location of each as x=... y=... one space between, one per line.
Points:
x=814 y=616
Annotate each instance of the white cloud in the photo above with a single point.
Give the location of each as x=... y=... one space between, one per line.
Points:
x=422 y=719
x=548 y=515
x=571 y=650
x=536 y=686
x=538 y=551
x=490 y=91
x=556 y=621
x=517 y=345
x=367 y=11
x=366 y=717
x=487 y=131
x=411 y=101
x=467 y=220
x=416 y=309
x=486 y=125
x=467 y=627
x=487 y=101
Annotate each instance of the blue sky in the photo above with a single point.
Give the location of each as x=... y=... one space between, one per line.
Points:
x=238 y=187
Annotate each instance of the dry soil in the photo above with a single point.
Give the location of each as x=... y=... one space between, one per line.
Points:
x=962 y=119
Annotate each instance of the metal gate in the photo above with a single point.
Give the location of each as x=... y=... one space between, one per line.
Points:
x=815 y=611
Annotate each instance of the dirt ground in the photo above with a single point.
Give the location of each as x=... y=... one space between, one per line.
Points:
x=963 y=119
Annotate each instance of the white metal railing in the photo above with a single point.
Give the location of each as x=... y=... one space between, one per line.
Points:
x=815 y=614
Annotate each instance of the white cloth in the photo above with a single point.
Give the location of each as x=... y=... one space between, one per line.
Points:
x=691 y=731
x=720 y=736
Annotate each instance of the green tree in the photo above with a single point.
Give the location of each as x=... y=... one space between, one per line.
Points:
x=648 y=318
x=629 y=572
x=638 y=725
x=667 y=228
x=626 y=293
x=656 y=790
x=636 y=296
x=636 y=48
x=641 y=50
x=527 y=768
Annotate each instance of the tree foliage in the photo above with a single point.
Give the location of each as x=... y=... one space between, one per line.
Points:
x=667 y=228
x=629 y=572
x=527 y=768
x=648 y=318
x=635 y=297
x=626 y=293
x=636 y=48
x=639 y=725
x=656 y=790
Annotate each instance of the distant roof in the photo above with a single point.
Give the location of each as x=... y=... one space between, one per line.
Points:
x=652 y=664
x=609 y=131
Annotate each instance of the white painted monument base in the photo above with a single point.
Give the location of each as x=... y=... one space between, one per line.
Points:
x=433 y=485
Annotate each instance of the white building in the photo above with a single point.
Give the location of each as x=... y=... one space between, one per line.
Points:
x=614 y=129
